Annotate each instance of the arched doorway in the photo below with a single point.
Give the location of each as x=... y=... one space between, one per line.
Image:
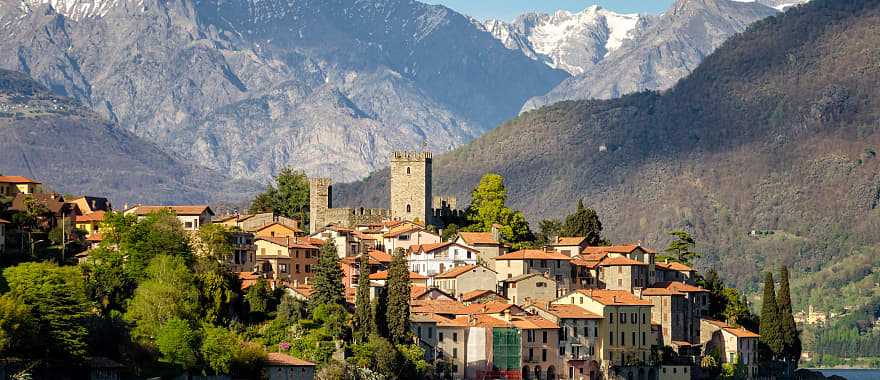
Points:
x=551 y=373
x=537 y=372
x=526 y=374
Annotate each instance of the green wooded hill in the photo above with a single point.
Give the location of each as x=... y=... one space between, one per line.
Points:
x=776 y=132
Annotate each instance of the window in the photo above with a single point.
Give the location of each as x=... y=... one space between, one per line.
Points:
x=408 y=171
x=619 y=283
x=586 y=331
x=582 y=300
x=262 y=251
x=469 y=255
x=296 y=268
x=544 y=355
x=622 y=317
x=619 y=269
x=561 y=350
x=308 y=268
x=595 y=331
x=622 y=338
x=634 y=318
x=454 y=352
x=531 y=355
x=282 y=268
x=544 y=337
x=440 y=336
x=408 y=208
x=610 y=317
x=611 y=338
x=644 y=318
x=188 y=225
x=419 y=331
x=455 y=337
x=430 y=332
x=643 y=338
x=634 y=340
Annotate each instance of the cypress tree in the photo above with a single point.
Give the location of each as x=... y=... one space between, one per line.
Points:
x=584 y=222
x=328 y=278
x=791 y=341
x=770 y=321
x=378 y=323
x=363 y=316
x=398 y=299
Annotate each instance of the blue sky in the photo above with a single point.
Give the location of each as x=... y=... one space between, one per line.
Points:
x=508 y=9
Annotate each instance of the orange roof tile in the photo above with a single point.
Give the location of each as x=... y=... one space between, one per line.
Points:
x=614 y=297
x=493 y=307
x=96 y=216
x=460 y=270
x=287 y=242
x=532 y=322
x=675 y=287
x=572 y=312
x=673 y=265
x=16 y=179
x=95 y=236
x=533 y=254
x=478 y=238
x=620 y=261
x=593 y=256
x=279 y=359
x=584 y=263
x=736 y=331
x=474 y=294
x=429 y=247
x=294 y=229
x=438 y=307
x=489 y=321
x=394 y=234
x=380 y=256
x=568 y=241
x=179 y=210
x=383 y=275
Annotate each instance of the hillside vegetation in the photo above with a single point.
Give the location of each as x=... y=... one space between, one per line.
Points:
x=776 y=132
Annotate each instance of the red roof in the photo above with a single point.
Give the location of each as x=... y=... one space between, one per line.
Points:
x=672 y=288
x=532 y=322
x=383 y=275
x=96 y=216
x=614 y=297
x=279 y=359
x=460 y=270
x=572 y=312
x=95 y=236
x=179 y=210
x=533 y=254
x=381 y=257
x=294 y=229
x=569 y=241
x=478 y=238
x=622 y=248
x=620 y=261
x=493 y=307
x=474 y=294
x=16 y=179
x=674 y=266
x=584 y=263
x=286 y=242
x=402 y=231
x=736 y=331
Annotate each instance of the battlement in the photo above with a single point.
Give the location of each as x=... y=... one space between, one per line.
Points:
x=410 y=156
x=320 y=182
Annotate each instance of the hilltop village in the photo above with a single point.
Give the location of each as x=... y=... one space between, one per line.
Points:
x=566 y=310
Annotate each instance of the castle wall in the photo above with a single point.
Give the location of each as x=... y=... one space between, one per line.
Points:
x=411 y=186
x=320 y=202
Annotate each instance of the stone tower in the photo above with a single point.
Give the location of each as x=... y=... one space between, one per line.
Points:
x=320 y=202
x=411 y=186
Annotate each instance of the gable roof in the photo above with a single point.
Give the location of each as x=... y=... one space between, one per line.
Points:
x=533 y=254
x=532 y=322
x=383 y=275
x=417 y=292
x=570 y=312
x=17 y=179
x=474 y=294
x=286 y=242
x=620 y=261
x=380 y=256
x=584 y=263
x=279 y=359
x=484 y=238
x=460 y=270
x=672 y=288
x=569 y=241
x=621 y=248
x=263 y=227
x=614 y=297
x=187 y=210
x=96 y=216
x=736 y=331
x=525 y=277
x=54 y=202
x=412 y=229
x=673 y=266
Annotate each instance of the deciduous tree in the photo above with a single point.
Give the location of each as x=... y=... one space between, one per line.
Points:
x=289 y=196
x=488 y=208
x=168 y=292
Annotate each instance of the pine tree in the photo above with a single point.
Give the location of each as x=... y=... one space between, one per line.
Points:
x=770 y=322
x=328 y=278
x=363 y=315
x=791 y=341
x=584 y=222
x=398 y=299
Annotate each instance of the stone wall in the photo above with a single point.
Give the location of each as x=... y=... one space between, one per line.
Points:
x=411 y=186
x=320 y=202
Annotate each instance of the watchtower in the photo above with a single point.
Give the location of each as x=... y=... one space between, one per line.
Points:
x=320 y=202
x=411 y=186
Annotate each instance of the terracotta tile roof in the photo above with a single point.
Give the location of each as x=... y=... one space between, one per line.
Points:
x=620 y=261
x=673 y=265
x=95 y=237
x=488 y=321
x=459 y=321
x=614 y=297
x=525 y=277
x=2 y=221
x=248 y=276
x=292 y=228
x=478 y=238
x=279 y=359
x=584 y=263
x=179 y=210
x=593 y=256
x=422 y=318
x=493 y=307
x=429 y=247
x=96 y=216
x=415 y=292
x=675 y=287
x=380 y=256
x=285 y=242
x=571 y=312
x=383 y=275
x=16 y=179
x=474 y=294
x=622 y=248
x=460 y=270
x=304 y=290
x=736 y=331
x=394 y=234
x=353 y=260
x=532 y=322
x=569 y=241
x=438 y=307
x=533 y=254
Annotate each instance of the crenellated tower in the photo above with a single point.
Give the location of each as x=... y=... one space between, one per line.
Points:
x=411 y=186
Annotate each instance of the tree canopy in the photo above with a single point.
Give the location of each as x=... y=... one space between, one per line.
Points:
x=288 y=196
x=488 y=208
x=584 y=222
x=329 y=289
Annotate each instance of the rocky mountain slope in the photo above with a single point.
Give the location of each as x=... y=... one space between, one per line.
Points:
x=776 y=132
x=249 y=87
x=73 y=150
x=659 y=51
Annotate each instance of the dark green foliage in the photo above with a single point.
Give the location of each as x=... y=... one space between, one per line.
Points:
x=217 y=290
x=291 y=310
x=398 y=299
x=159 y=233
x=681 y=247
x=379 y=307
x=770 y=329
x=548 y=230
x=450 y=232
x=363 y=316
x=849 y=336
x=328 y=278
x=289 y=196
x=169 y=291
x=17 y=327
x=727 y=304
x=106 y=280
x=791 y=342
x=55 y=298
x=584 y=222
x=258 y=298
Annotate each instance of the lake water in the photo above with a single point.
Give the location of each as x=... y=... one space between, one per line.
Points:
x=852 y=374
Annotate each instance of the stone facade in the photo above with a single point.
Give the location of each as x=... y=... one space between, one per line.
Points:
x=411 y=196
x=322 y=213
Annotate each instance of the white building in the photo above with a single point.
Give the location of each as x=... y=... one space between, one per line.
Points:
x=432 y=259
x=407 y=237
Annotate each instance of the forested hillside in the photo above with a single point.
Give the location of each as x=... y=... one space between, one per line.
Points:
x=776 y=132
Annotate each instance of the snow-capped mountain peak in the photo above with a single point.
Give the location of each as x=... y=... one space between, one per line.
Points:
x=74 y=9
x=571 y=41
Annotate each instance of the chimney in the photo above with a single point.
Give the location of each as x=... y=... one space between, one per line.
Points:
x=496 y=233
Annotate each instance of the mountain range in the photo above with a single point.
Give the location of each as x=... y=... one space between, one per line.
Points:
x=766 y=153
x=332 y=87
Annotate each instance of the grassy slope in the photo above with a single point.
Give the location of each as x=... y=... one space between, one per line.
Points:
x=772 y=132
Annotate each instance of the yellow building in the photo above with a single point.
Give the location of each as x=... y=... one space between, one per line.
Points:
x=90 y=223
x=278 y=230
x=625 y=329
x=552 y=264
x=13 y=184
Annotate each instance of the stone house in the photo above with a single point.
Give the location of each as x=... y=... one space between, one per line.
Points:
x=528 y=288
x=277 y=229
x=731 y=344
x=278 y=366
x=244 y=252
x=569 y=246
x=408 y=237
x=540 y=347
x=625 y=330
x=554 y=264
x=673 y=271
x=578 y=336
x=432 y=259
x=192 y=217
x=488 y=244
x=623 y=273
x=584 y=273
x=677 y=309
x=286 y=259
x=10 y=185
x=465 y=279
x=631 y=251
x=481 y=296
x=347 y=245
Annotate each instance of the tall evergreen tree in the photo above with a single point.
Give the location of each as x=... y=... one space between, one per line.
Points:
x=791 y=341
x=328 y=278
x=770 y=322
x=682 y=247
x=380 y=312
x=584 y=222
x=398 y=298
x=363 y=315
